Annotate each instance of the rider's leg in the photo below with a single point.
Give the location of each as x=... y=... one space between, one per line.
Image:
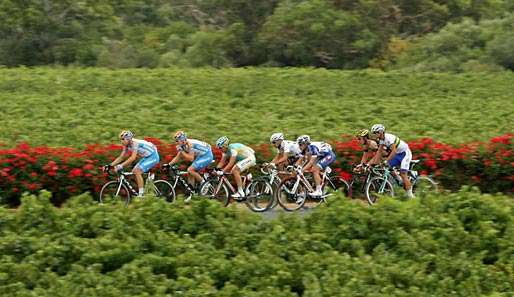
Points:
x=317 y=178
x=144 y=165
x=193 y=177
x=404 y=168
x=236 y=172
x=138 y=173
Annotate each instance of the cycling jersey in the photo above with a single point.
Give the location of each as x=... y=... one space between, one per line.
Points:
x=390 y=139
x=142 y=147
x=290 y=148
x=239 y=150
x=319 y=149
x=199 y=148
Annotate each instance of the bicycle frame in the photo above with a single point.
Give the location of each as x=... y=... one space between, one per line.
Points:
x=300 y=177
x=122 y=179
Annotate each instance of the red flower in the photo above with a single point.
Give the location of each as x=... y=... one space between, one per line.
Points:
x=75 y=172
x=431 y=163
x=88 y=166
x=488 y=163
x=345 y=175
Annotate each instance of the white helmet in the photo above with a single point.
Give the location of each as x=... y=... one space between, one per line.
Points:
x=303 y=139
x=377 y=128
x=276 y=136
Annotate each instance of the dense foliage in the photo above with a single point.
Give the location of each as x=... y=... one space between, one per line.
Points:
x=73 y=107
x=145 y=33
x=456 y=245
x=66 y=171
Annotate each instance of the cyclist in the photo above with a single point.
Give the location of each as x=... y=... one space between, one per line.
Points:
x=316 y=156
x=195 y=151
x=400 y=154
x=236 y=158
x=369 y=146
x=288 y=151
x=133 y=148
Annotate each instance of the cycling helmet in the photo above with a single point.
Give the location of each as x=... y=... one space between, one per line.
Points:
x=362 y=133
x=126 y=134
x=276 y=136
x=304 y=139
x=377 y=128
x=180 y=136
x=222 y=141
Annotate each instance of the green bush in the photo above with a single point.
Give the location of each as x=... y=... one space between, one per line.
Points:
x=449 y=245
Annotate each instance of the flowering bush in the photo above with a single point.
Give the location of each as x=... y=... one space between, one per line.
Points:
x=67 y=171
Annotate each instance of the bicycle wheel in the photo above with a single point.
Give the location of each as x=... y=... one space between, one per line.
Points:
x=274 y=186
x=260 y=195
x=113 y=192
x=215 y=190
x=163 y=189
x=423 y=186
x=290 y=195
x=376 y=187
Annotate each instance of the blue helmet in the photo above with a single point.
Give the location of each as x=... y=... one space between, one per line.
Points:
x=180 y=136
x=126 y=134
x=222 y=141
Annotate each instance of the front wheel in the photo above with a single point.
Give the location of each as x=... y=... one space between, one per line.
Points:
x=376 y=187
x=291 y=194
x=114 y=191
x=260 y=195
x=215 y=190
x=163 y=189
x=423 y=186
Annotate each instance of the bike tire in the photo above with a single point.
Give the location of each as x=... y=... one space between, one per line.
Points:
x=288 y=200
x=260 y=195
x=215 y=190
x=423 y=186
x=113 y=192
x=373 y=189
x=163 y=189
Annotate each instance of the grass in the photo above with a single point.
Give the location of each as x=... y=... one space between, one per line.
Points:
x=72 y=106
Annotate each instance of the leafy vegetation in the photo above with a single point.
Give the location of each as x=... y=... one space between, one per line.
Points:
x=456 y=245
x=142 y=33
x=464 y=46
x=72 y=107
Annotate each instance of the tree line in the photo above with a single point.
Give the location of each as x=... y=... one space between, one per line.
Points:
x=453 y=35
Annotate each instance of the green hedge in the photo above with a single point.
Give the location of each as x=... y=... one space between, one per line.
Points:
x=72 y=107
x=454 y=245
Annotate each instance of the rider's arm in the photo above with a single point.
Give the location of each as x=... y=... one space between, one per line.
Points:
x=376 y=158
x=119 y=159
x=311 y=162
x=231 y=163
x=222 y=162
x=392 y=153
x=176 y=159
x=130 y=159
x=279 y=159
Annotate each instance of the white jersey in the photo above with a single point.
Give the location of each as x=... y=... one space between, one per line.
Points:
x=290 y=148
x=390 y=139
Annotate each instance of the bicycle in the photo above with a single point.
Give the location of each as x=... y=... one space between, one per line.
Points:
x=272 y=175
x=121 y=188
x=293 y=192
x=383 y=183
x=362 y=176
x=259 y=193
x=176 y=176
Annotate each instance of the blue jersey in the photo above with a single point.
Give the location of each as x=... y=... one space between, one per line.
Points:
x=199 y=148
x=318 y=149
x=142 y=147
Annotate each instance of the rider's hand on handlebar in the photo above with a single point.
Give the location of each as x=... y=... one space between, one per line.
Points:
x=106 y=168
x=118 y=167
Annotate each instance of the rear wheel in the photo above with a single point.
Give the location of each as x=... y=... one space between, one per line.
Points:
x=113 y=192
x=423 y=186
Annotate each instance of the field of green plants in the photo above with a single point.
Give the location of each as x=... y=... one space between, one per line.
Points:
x=71 y=106
x=456 y=245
